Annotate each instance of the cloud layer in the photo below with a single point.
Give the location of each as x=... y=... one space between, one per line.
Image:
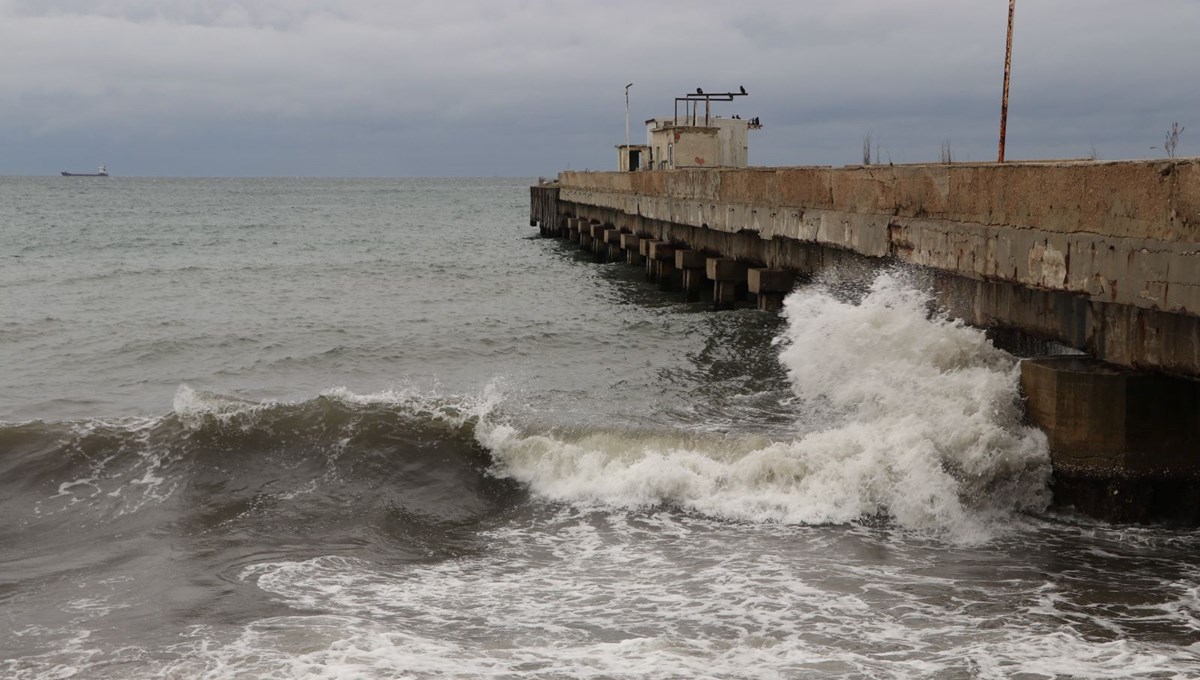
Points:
x=377 y=87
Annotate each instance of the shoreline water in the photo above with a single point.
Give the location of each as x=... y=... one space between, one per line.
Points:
x=369 y=429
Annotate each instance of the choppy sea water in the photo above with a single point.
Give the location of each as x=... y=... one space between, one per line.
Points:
x=376 y=429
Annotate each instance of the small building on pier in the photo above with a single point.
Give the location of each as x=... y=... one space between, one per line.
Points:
x=632 y=157
x=688 y=143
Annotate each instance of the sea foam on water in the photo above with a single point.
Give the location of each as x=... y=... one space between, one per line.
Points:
x=908 y=414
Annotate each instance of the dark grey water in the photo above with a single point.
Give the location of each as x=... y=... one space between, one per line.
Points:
x=373 y=429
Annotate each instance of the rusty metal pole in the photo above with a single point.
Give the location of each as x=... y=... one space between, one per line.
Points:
x=627 y=116
x=1012 y=7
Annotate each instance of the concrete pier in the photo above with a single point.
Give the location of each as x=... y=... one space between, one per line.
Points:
x=1103 y=257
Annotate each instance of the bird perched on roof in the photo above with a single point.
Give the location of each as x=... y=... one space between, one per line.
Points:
x=743 y=89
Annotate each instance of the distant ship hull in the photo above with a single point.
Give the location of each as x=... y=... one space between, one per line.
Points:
x=84 y=174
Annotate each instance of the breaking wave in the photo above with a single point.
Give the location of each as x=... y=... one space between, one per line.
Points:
x=903 y=413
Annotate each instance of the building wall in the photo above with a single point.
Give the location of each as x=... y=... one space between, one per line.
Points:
x=623 y=153
x=688 y=146
x=723 y=143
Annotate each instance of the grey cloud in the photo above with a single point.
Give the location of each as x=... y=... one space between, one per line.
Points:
x=530 y=87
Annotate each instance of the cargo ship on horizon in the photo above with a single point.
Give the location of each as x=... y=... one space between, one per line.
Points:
x=102 y=172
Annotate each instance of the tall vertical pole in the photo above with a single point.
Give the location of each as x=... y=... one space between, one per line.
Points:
x=1012 y=7
x=627 y=115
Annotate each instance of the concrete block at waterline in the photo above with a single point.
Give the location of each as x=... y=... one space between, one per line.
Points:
x=1102 y=418
x=770 y=280
x=725 y=269
x=644 y=246
x=660 y=250
x=1080 y=404
x=690 y=259
x=612 y=236
x=630 y=242
x=597 y=230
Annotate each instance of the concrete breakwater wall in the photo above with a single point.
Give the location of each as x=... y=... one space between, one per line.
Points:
x=1120 y=241
x=1103 y=257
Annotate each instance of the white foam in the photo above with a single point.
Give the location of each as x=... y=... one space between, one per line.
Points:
x=916 y=417
x=130 y=474
x=193 y=407
x=429 y=402
x=660 y=595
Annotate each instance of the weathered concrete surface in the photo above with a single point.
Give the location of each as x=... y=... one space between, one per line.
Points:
x=1124 y=444
x=761 y=280
x=1104 y=256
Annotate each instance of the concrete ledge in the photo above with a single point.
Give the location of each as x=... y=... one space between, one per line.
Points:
x=1124 y=232
x=690 y=259
x=659 y=250
x=725 y=269
x=770 y=280
x=1055 y=268
x=1118 y=438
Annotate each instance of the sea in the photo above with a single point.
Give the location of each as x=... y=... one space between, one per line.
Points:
x=378 y=428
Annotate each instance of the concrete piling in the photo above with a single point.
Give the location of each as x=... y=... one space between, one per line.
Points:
x=1122 y=442
x=612 y=241
x=693 y=279
x=599 y=247
x=631 y=244
x=662 y=255
x=729 y=280
x=651 y=268
x=770 y=286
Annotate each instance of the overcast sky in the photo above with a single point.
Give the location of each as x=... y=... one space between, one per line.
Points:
x=529 y=87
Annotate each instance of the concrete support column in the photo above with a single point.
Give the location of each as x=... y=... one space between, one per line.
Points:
x=662 y=255
x=585 y=234
x=644 y=250
x=729 y=280
x=771 y=286
x=631 y=243
x=1125 y=445
x=612 y=240
x=572 y=233
x=599 y=247
x=694 y=279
